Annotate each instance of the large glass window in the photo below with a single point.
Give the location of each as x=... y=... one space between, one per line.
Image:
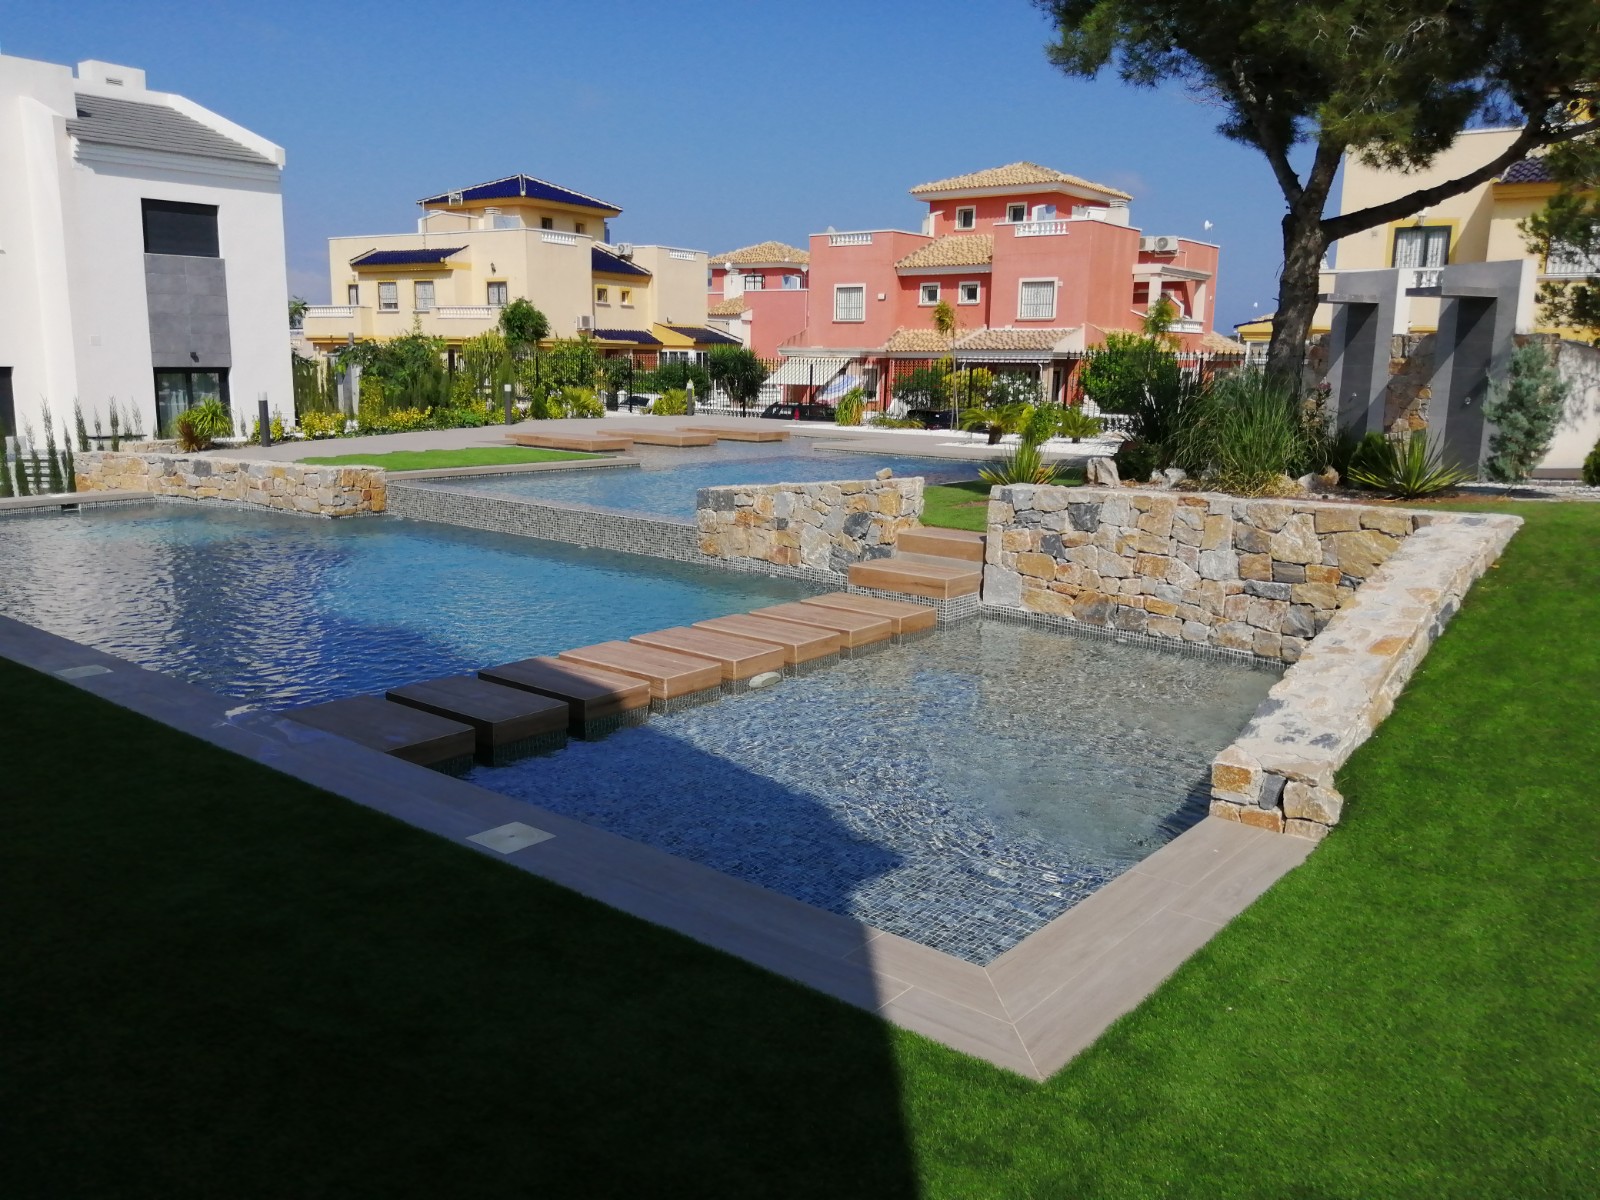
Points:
x=171 y=227
x=1037 y=301
x=177 y=391
x=1424 y=246
x=850 y=303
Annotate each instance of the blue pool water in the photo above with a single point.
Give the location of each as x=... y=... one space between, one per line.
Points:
x=280 y=610
x=665 y=483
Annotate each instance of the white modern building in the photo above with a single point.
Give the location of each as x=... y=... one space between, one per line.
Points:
x=141 y=251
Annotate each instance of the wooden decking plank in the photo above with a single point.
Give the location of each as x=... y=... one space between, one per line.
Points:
x=800 y=643
x=854 y=628
x=591 y=694
x=499 y=715
x=740 y=657
x=905 y=616
x=670 y=673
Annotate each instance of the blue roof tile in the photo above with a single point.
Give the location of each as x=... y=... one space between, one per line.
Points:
x=1529 y=170
x=628 y=335
x=710 y=337
x=519 y=187
x=402 y=258
x=601 y=259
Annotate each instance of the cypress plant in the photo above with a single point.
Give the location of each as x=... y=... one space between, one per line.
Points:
x=83 y=430
x=71 y=466
x=116 y=428
x=99 y=433
x=6 y=490
x=23 y=488
x=36 y=469
x=1526 y=411
x=52 y=464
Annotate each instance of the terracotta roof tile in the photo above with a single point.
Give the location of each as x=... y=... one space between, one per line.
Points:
x=727 y=308
x=1017 y=174
x=1007 y=338
x=952 y=250
x=917 y=341
x=1215 y=343
x=764 y=252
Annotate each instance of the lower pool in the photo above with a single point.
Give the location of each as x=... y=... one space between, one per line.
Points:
x=666 y=480
x=279 y=610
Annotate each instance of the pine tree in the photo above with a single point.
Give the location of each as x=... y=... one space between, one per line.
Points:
x=1525 y=411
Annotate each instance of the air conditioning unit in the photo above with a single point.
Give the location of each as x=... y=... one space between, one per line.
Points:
x=624 y=249
x=1159 y=245
x=585 y=323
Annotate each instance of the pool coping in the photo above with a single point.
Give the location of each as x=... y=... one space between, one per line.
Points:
x=1029 y=1011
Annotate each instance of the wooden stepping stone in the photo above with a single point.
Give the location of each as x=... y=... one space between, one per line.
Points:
x=571 y=441
x=933 y=580
x=671 y=674
x=855 y=629
x=596 y=700
x=958 y=544
x=671 y=437
x=905 y=617
x=408 y=733
x=740 y=657
x=801 y=644
x=509 y=722
x=740 y=435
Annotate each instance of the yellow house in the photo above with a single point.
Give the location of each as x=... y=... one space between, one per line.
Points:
x=1479 y=225
x=478 y=248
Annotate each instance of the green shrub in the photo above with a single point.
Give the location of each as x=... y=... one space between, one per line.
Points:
x=1368 y=455
x=580 y=402
x=1591 y=467
x=315 y=424
x=1076 y=424
x=851 y=406
x=1525 y=410
x=999 y=420
x=885 y=421
x=1137 y=460
x=1025 y=464
x=674 y=402
x=198 y=428
x=275 y=424
x=1408 y=468
x=1248 y=432
x=1121 y=375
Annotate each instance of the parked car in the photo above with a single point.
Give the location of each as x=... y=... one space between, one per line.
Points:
x=798 y=412
x=931 y=418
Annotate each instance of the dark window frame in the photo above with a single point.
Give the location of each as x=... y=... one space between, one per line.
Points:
x=188 y=390
x=175 y=227
x=8 y=404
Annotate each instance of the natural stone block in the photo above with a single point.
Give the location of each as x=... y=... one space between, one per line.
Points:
x=1255 y=566
x=1306 y=802
x=1269 y=515
x=1337 y=520
x=1360 y=554
x=1040 y=566
x=1296 y=542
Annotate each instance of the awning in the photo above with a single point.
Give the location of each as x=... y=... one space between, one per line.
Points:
x=840 y=385
x=803 y=372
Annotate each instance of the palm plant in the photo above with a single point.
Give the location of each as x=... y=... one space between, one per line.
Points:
x=1407 y=468
x=1076 y=424
x=999 y=420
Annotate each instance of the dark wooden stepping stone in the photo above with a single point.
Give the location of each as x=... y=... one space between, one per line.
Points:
x=595 y=699
x=408 y=733
x=509 y=722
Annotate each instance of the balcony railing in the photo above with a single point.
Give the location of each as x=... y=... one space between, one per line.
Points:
x=337 y=312
x=1041 y=228
x=1422 y=279
x=1571 y=265
x=1187 y=325
x=557 y=238
x=849 y=239
x=467 y=312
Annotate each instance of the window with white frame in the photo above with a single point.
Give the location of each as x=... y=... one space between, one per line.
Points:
x=968 y=293
x=602 y=295
x=352 y=293
x=388 y=297
x=498 y=295
x=754 y=281
x=1422 y=246
x=1016 y=214
x=850 y=302
x=625 y=297
x=929 y=294
x=966 y=217
x=791 y=283
x=1036 y=300
x=422 y=295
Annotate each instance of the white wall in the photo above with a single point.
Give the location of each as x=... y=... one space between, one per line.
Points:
x=1580 y=426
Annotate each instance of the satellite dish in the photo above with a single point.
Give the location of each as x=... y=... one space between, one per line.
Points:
x=1209 y=226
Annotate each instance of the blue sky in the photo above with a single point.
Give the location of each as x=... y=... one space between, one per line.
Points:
x=711 y=125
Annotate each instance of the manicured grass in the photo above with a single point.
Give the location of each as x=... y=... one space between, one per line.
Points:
x=962 y=505
x=215 y=981
x=428 y=460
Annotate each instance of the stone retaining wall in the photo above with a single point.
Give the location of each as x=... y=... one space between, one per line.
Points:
x=818 y=526
x=288 y=487
x=1262 y=576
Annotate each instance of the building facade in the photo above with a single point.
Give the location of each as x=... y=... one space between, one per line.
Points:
x=1037 y=266
x=477 y=248
x=759 y=294
x=141 y=251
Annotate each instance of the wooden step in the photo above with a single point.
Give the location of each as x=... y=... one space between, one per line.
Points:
x=934 y=580
x=855 y=629
x=942 y=543
x=671 y=437
x=740 y=435
x=408 y=733
x=592 y=696
x=500 y=716
x=904 y=616
x=670 y=673
x=571 y=441
x=740 y=657
x=800 y=643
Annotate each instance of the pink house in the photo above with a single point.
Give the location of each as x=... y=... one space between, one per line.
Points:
x=758 y=294
x=1038 y=266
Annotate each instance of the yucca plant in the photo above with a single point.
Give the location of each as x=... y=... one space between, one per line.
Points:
x=1076 y=424
x=1408 y=468
x=1025 y=464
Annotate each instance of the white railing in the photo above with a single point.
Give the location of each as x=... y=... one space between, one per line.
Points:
x=1424 y=278
x=467 y=312
x=681 y=255
x=558 y=239
x=1569 y=264
x=340 y=312
x=1041 y=228
x=849 y=239
x=1187 y=325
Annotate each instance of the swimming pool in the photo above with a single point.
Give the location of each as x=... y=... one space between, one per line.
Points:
x=279 y=610
x=962 y=790
x=665 y=482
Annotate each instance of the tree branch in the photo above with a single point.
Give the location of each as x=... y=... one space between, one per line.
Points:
x=1266 y=141
x=1531 y=138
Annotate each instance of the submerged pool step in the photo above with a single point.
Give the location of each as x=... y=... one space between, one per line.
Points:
x=671 y=437
x=379 y=724
x=931 y=578
x=676 y=679
x=958 y=544
x=741 y=658
x=803 y=646
x=597 y=701
x=508 y=722
x=740 y=435
x=856 y=630
x=571 y=441
x=905 y=617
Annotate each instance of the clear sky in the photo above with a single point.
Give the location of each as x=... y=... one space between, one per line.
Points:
x=710 y=125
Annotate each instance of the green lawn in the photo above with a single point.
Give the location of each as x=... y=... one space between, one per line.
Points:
x=430 y=460
x=965 y=505
x=216 y=981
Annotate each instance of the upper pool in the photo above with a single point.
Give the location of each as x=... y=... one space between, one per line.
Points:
x=665 y=482
x=280 y=610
